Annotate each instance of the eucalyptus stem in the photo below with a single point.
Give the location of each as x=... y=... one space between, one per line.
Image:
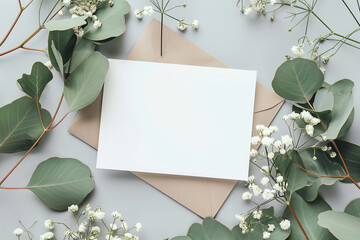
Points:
x=298 y=222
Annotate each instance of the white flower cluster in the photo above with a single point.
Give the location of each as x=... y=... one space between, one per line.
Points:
x=257 y=6
x=181 y=25
x=86 y=228
x=246 y=221
x=310 y=120
x=84 y=8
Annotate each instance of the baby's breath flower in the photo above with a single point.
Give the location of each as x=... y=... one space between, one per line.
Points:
x=247 y=11
x=82 y=227
x=246 y=196
x=251 y=179
x=309 y=130
x=257 y=214
x=271 y=155
x=266 y=235
x=332 y=154
x=264 y=181
x=18 y=232
x=324 y=138
x=265 y=169
x=240 y=217
x=314 y=158
x=324 y=148
x=260 y=128
x=60 y=13
x=68 y=232
x=95 y=230
x=285 y=224
x=268 y=194
x=282 y=151
x=294 y=116
x=278 y=144
x=279 y=179
x=66 y=3
x=325 y=59
x=253 y=153
x=286 y=140
x=267 y=141
x=306 y=116
x=195 y=24
x=297 y=50
x=97 y=24
x=266 y=132
x=128 y=236
x=99 y=215
x=115 y=214
x=47 y=236
x=181 y=26
x=148 y=10
x=255 y=140
x=315 y=121
x=88 y=207
x=113 y=226
x=285 y=117
x=137 y=226
x=49 y=224
x=273 y=2
x=271 y=227
x=273 y=129
x=138 y=13
x=73 y=208
x=257 y=190
x=48 y=65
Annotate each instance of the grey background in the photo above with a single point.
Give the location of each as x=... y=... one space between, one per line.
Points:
x=251 y=42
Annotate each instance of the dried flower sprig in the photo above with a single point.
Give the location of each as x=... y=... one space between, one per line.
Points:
x=301 y=12
x=164 y=9
x=87 y=226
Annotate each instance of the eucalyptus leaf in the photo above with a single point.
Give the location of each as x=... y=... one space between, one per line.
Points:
x=353 y=208
x=260 y=226
x=351 y=155
x=322 y=166
x=324 y=100
x=347 y=125
x=58 y=59
x=296 y=177
x=20 y=125
x=181 y=238
x=298 y=79
x=85 y=82
x=61 y=182
x=343 y=107
x=348 y=229
x=65 y=24
x=112 y=19
x=82 y=50
x=210 y=229
x=34 y=84
x=64 y=42
x=307 y=213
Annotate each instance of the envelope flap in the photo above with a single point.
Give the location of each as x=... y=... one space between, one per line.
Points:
x=265 y=99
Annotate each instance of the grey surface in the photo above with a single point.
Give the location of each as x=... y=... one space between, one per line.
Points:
x=252 y=43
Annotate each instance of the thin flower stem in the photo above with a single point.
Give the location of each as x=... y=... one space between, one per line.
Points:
x=298 y=222
x=352 y=14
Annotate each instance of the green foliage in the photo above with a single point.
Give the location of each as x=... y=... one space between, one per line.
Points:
x=181 y=238
x=353 y=208
x=307 y=214
x=61 y=182
x=34 y=84
x=85 y=82
x=112 y=19
x=58 y=59
x=322 y=166
x=64 y=42
x=261 y=225
x=65 y=24
x=351 y=155
x=20 y=125
x=297 y=80
x=347 y=230
x=82 y=50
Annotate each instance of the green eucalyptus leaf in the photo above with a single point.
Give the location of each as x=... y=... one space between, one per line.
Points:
x=351 y=155
x=342 y=225
x=260 y=226
x=65 y=24
x=295 y=176
x=61 y=182
x=82 y=50
x=324 y=100
x=85 y=82
x=34 y=84
x=64 y=42
x=181 y=238
x=112 y=19
x=347 y=125
x=58 y=59
x=343 y=107
x=307 y=213
x=20 y=125
x=210 y=229
x=297 y=80
x=353 y=208
x=322 y=166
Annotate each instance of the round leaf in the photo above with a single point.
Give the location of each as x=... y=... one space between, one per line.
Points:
x=324 y=100
x=344 y=226
x=85 y=82
x=20 y=125
x=210 y=229
x=298 y=79
x=307 y=214
x=61 y=182
x=353 y=208
x=34 y=84
x=112 y=19
x=82 y=50
x=65 y=24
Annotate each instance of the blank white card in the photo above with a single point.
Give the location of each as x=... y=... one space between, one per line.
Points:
x=177 y=119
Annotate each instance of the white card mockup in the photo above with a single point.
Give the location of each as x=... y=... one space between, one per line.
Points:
x=176 y=119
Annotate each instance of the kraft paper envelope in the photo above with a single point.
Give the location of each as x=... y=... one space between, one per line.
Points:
x=201 y=195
